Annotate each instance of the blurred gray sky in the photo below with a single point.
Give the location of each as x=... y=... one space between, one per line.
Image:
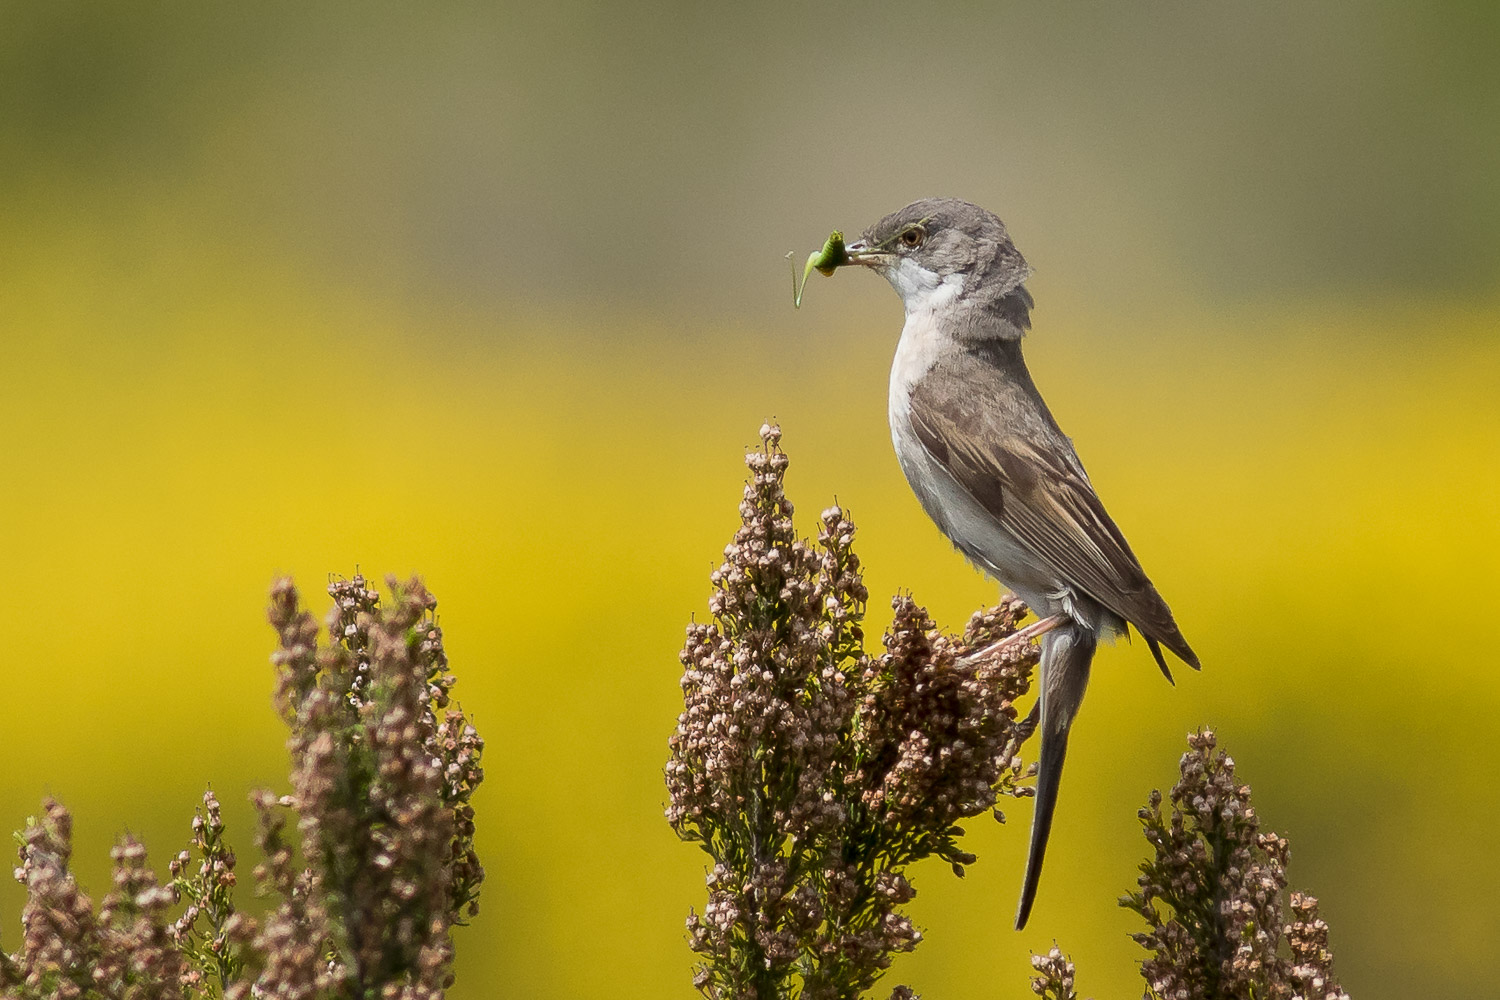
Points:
x=664 y=157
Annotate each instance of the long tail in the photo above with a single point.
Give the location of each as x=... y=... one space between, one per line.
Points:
x=1066 y=655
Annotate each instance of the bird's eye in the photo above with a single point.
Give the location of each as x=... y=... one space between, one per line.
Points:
x=913 y=237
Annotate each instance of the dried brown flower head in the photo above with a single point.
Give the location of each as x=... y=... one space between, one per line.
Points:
x=814 y=773
x=1211 y=895
x=366 y=891
x=207 y=889
x=1054 y=976
x=63 y=942
x=125 y=950
x=382 y=772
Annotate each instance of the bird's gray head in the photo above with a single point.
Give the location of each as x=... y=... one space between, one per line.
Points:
x=942 y=253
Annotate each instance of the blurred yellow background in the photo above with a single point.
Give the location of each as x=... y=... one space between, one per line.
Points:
x=496 y=294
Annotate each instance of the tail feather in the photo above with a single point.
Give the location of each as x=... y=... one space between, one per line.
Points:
x=1066 y=655
x=1172 y=638
x=1161 y=661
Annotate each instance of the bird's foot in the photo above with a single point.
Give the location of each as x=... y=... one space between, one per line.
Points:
x=1035 y=630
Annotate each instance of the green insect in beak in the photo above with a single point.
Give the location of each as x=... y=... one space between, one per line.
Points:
x=823 y=261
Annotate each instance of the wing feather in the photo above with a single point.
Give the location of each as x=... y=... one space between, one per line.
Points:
x=1040 y=493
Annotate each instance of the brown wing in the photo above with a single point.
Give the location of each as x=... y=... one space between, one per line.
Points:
x=1027 y=475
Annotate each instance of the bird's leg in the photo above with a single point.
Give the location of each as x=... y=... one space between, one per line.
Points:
x=1032 y=631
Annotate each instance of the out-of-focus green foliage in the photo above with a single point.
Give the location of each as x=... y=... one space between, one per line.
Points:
x=494 y=294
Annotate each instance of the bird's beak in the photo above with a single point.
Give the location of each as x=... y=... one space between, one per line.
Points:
x=860 y=252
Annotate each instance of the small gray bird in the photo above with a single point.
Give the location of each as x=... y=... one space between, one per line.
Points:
x=992 y=468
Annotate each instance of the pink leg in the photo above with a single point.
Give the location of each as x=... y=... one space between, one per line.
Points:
x=1032 y=631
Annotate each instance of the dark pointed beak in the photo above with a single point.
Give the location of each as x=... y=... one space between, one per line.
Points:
x=860 y=252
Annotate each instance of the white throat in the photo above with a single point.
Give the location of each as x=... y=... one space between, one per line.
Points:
x=926 y=296
x=921 y=289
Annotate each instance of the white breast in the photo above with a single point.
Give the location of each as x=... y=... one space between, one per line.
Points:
x=971 y=528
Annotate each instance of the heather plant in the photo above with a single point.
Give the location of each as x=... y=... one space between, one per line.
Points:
x=814 y=773
x=362 y=897
x=1211 y=896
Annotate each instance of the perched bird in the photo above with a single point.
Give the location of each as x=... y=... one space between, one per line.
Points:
x=992 y=468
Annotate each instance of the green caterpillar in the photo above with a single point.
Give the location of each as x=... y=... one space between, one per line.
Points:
x=823 y=261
